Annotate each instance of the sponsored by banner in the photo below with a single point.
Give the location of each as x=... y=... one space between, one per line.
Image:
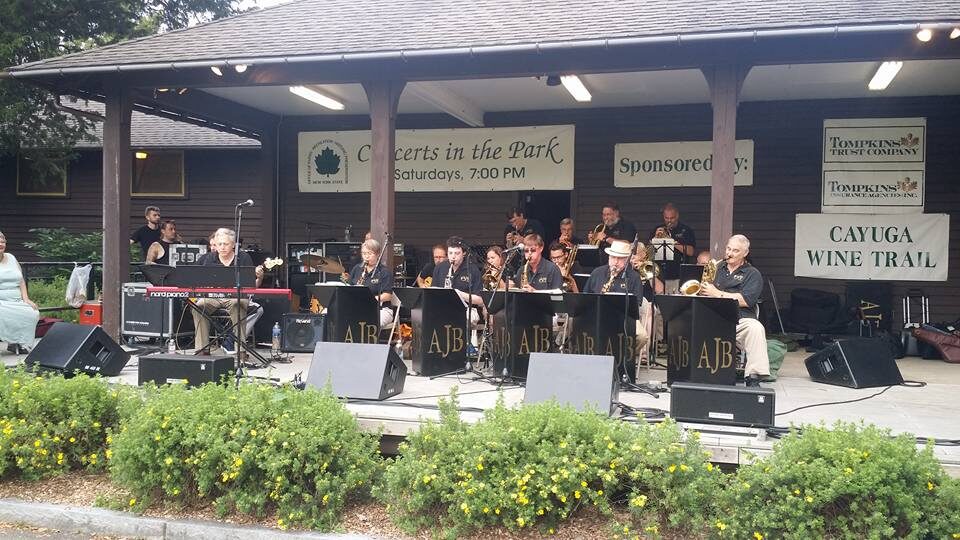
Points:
x=676 y=164
x=874 y=165
x=481 y=159
x=909 y=247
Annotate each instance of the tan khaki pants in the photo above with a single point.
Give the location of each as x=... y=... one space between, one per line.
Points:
x=209 y=305
x=752 y=338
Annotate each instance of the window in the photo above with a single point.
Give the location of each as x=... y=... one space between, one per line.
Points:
x=37 y=177
x=157 y=174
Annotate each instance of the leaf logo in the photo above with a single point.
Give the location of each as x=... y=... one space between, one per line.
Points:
x=327 y=162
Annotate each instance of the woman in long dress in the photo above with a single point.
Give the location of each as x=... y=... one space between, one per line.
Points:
x=18 y=314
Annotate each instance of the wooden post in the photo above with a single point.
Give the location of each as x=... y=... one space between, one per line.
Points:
x=725 y=83
x=117 y=168
x=383 y=97
x=268 y=191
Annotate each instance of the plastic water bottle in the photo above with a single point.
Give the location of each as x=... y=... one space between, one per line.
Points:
x=172 y=346
x=275 y=343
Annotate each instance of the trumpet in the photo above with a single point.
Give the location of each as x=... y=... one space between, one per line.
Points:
x=594 y=236
x=693 y=287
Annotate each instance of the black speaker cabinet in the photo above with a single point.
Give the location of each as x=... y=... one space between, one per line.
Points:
x=357 y=370
x=722 y=404
x=857 y=363
x=175 y=368
x=579 y=380
x=300 y=332
x=71 y=348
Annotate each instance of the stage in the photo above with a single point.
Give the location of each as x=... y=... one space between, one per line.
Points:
x=928 y=412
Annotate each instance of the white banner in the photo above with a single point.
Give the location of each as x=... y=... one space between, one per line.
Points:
x=481 y=159
x=874 y=165
x=912 y=247
x=676 y=164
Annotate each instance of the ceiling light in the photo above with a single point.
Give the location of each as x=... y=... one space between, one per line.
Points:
x=163 y=89
x=240 y=68
x=955 y=33
x=885 y=73
x=310 y=94
x=182 y=91
x=576 y=88
x=216 y=71
x=925 y=35
x=141 y=155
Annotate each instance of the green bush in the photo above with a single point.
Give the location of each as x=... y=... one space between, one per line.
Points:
x=250 y=449
x=52 y=293
x=536 y=465
x=850 y=481
x=63 y=245
x=50 y=424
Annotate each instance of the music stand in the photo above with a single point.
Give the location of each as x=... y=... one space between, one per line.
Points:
x=690 y=271
x=665 y=254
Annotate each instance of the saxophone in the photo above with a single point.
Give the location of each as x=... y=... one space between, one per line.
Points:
x=363 y=277
x=609 y=283
x=524 y=280
x=692 y=287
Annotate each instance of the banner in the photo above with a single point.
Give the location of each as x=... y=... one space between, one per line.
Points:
x=480 y=159
x=676 y=164
x=874 y=165
x=883 y=247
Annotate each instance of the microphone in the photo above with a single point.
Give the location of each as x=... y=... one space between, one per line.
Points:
x=517 y=247
x=248 y=202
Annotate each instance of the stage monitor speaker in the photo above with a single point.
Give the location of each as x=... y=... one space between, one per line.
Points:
x=579 y=380
x=722 y=404
x=175 y=368
x=856 y=362
x=300 y=332
x=72 y=348
x=357 y=370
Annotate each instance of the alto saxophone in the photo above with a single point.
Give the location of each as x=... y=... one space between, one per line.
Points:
x=363 y=277
x=609 y=283
x=524 y=280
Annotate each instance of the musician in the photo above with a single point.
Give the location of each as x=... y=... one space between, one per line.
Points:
x=159 y=252
x=149 y=232
x=226 y=240
x=537 y=273
x=425 y=276
x=567 y=237
x=458 y=274
x=519 y=227
x=614 y=227
x=686 y=240
x=704 y=257
x=494 y=269
x=379 y=280
x=741 y=281
x=560 y=256
x=616 y=276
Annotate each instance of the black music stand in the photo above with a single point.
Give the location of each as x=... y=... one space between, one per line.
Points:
x=601 y=325
x=353 y=314
x=526 y=326
x=701 y=335
x=590 y=256
x=690 y=271
x=440 y=330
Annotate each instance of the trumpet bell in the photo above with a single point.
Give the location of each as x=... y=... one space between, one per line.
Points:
x=690 y=288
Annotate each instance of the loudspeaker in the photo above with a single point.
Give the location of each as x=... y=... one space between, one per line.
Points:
x=857 y=363
x=579 y=380
x=722 y=404
x=357 y=370
x=173 y=368
x=70 y=348
x=300 y=332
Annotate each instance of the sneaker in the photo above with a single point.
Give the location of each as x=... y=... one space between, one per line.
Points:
x=229 y=347
x=752 y=381
x=472 y=351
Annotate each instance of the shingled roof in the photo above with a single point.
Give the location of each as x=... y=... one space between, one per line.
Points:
x=346 y=27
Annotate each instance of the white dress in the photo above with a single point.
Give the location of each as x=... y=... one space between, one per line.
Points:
x=18 y=320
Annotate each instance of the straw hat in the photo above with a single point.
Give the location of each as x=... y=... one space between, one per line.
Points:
x=618 y=248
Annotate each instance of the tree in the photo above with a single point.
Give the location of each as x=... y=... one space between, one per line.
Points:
x=33 y=30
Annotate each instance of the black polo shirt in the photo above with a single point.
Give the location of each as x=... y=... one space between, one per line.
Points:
x=145 y=236
x=623 y=230
x=683 y=235
x=546 y=277
x=379 y=281
x=213 y=259
x=466 y=278
x=745 y=280
x=532 y=226
x=627 y=282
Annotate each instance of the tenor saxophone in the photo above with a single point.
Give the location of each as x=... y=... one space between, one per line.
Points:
x=609 y=283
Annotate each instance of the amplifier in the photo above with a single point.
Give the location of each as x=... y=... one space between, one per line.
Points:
x=300 y=332
x=144 y=316
x=187 y=253
x=722 y=404
x=174 y=368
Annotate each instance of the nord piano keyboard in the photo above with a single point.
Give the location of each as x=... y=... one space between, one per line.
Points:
x=217 y=292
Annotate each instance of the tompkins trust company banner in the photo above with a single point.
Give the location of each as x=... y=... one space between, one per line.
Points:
x=480 y=159
x=677 y=164
x=874 y=165
x=909 y=247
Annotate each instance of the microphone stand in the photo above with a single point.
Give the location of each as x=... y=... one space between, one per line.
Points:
x=240 y=344
x=624 y=376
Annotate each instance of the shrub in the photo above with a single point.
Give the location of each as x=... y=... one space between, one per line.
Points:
x=50 y=424
x=538 y=464
x=52 y=293
x=852 y=481
x=250 y=449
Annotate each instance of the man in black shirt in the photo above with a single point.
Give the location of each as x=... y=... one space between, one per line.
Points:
x=458 y=274
x=520 y=227
x=616 y=276
x=425 y=277
x=686 y=240
x=739 y=280
x=537 y=273
x=150 y=232
x=614 y=227
x=568 y=236
x=379 y=280
x=159 y=252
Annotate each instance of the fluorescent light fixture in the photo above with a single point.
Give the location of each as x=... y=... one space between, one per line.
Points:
x=885 y=73
x=216 y=71
x=576 y=88
x=141 y=155
x=310 y=94
x=955 y=33
x=240 y=68
x=925 y=34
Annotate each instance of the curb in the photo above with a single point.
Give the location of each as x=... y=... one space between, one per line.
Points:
x=80 y=519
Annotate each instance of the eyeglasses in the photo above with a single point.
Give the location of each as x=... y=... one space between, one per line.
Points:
x=529 y=250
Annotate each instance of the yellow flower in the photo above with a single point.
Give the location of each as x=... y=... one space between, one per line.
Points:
x=583 y=483
x=683 y=467
x=796 y=492
x=108 y=453
x=497 y=511
x=610 y=446
x=521 y=521
x=133 y=502
x=599 y=492
x=253 y=433
x=479 y=466
x=808 y=498
x=721 y=525
x=563 y=444
x=168 y=460
x=576 y=494
x=672 y=468
x=37 y=443
x=757 y=535
x=96 y=424
x=709 y=466
x=930 y=486
x=848 y=470
x=486 y=509
x=73 y=440
x=639 y=501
